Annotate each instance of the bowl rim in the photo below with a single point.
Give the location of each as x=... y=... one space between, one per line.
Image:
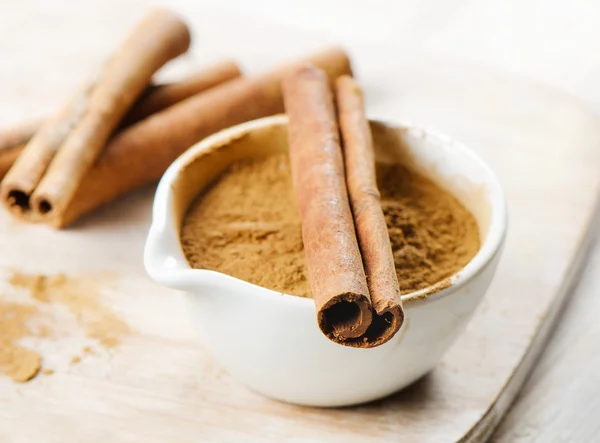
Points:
x=165 y=261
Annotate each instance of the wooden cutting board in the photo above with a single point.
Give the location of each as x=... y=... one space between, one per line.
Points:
x=159 y=384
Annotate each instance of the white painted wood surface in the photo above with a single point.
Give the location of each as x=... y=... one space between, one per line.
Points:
x=552 y=43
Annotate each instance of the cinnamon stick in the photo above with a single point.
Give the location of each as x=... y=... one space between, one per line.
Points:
x=23 y=177
x=158 y=38
x=50 y=171
x=156 y=98
x=18 y=135
x=335 y=268
x=162 y=96
x=365 y=200
x=8 y=157
x=12 y=142
x=140 y=154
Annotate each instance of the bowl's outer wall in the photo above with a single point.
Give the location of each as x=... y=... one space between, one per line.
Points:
x=277 y=349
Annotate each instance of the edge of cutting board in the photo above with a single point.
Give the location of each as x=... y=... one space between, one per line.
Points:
x=488 y=423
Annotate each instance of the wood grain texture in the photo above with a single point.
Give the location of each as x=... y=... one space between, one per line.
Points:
x=160 y=385
x=560 y=400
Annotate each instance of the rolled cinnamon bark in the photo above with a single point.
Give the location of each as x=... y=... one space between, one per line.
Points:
x=92 y=116
x=158 y=38
x=335 y=267
x=140 y=154
x=8 y=156
x=365 y=200
x=32 y=162
x=19 y=135
x=156 y=98
x=160 y=97
x=12 y=142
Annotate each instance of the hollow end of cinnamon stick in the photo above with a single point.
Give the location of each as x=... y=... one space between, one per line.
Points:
x=44 y=206
x=345 y=316
x=18 y=200
x=342 y=323
x=381 y=330
x=383 y=327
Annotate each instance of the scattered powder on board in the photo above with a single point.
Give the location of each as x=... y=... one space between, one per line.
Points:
x=18 y=362
x=247 y=225
x=33 y=317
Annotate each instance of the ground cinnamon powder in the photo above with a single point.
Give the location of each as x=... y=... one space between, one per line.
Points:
x=247 y=225
x=31 y=314
x=18 y=362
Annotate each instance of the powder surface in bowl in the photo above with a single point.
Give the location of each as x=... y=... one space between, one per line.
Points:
x=246 y=224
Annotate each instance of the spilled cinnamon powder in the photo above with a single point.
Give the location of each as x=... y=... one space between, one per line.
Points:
x=18 y=362
x=247 y=225
x=31 y=313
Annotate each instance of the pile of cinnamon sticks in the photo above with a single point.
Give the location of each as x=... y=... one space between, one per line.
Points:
x=120 y=132
x=349 y=257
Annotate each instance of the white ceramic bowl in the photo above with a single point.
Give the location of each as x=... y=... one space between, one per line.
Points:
x=271 y=342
